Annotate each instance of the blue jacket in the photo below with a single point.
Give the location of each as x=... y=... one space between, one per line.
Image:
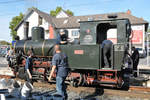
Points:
x=29 y=64
x=61 y=63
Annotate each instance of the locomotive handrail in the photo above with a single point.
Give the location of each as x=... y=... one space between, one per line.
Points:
x=43 y=56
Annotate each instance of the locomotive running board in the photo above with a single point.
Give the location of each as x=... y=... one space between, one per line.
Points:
x=104 y=82
x=104 y=77
x=106 y=69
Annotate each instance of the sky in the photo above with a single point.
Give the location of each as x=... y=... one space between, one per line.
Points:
x=12 y=8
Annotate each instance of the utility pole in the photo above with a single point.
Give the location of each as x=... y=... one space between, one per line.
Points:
x=148 y=60
x=64 y=5
x=31 y=3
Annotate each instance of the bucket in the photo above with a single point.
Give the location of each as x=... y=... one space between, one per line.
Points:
x=37 y=96
x=26 y=89
x=2 y=97
x=3 y=91
x=57 y=97
x=3 y=83
x=15 y=92
x=47 y=97
x=10 y=83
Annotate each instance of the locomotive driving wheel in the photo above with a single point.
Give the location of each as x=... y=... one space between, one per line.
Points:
x=119 y=82
x=77 y=81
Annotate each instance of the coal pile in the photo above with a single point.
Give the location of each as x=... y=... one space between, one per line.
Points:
x=14 y=90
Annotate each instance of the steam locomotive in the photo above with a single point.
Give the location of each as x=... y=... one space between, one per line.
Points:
x=85 y=59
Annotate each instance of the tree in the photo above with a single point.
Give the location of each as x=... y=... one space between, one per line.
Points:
x=58 y=9
x=4 y=43
x=149 y=34
x=14 y=22
x=69 y=12
x=148 y=30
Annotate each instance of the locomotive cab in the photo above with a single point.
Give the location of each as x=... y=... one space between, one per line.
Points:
x=116 y=30
x=88 y=59
x=92 y=34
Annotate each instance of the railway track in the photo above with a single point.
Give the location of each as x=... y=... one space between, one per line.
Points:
x=133 y=92
x=5 y=76
x=131 y=88
x=139 y=88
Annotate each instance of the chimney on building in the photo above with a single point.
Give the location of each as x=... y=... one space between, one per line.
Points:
x=128 y=11
x=26 y=30
x=142 y=18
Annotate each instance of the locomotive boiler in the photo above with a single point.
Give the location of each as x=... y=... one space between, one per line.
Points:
x=85 y=59
x=39 y=46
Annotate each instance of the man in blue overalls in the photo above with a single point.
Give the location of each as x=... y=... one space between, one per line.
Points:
x=60 y=63
x=107 y=47
x=28 y=67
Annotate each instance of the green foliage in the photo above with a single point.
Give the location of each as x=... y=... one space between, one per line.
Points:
x=148 y=30
x=147 y=37
x=69 y=12
x=149 y=34
x=14 y=22
x=32 y=8
x=4 y=43
x=53 y=13
x=58 y=9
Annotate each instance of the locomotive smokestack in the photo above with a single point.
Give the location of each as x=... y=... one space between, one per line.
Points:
x=37 y=33
x=26 y=29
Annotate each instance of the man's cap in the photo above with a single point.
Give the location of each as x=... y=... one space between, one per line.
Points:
x=61 y=30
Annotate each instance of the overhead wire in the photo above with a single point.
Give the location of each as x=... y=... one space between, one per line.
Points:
x=64 y=5
x=7 y=14
x=12 y=1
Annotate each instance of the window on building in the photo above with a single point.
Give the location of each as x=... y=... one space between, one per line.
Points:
x=78 y=20
x=65 y=21
x=40 y=20
x=75 y=32
x=90 y=19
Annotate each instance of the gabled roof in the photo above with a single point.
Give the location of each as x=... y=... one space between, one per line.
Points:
x=44 y=15
x=68 y=15
x=73 y=22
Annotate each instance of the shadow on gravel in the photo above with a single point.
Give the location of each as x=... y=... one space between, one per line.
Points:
x=98 y=92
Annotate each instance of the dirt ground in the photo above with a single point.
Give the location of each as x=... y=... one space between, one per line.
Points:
x=93 y=93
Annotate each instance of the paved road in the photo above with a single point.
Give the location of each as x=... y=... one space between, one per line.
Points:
x=4 y=69
x=145 y=61
x=3 y=62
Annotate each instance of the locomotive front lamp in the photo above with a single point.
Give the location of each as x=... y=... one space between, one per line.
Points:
x=88 y=31
x=113 y=16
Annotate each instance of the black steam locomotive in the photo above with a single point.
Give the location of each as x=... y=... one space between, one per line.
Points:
x=85 y=58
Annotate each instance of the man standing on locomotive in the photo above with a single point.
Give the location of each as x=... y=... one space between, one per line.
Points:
x=62 y=37
x=28 y=67
x=60 y=63
x=107 y=47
